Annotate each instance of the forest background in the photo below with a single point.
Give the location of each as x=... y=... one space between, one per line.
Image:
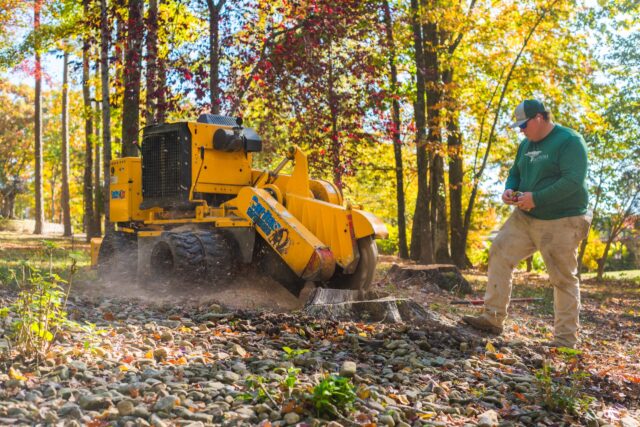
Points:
x=402 y=104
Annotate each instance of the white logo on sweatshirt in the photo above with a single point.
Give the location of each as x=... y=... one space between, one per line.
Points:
x=535 y=156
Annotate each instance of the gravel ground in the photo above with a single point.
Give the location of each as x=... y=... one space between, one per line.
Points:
x=200 y=363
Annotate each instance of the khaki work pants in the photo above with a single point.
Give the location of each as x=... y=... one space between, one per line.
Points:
x=557 y=240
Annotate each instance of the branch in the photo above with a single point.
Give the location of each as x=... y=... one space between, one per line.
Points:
x=453 y=46
x=474 y=192
x=267 y=43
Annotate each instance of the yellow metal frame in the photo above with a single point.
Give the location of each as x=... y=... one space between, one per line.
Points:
x=303 y=220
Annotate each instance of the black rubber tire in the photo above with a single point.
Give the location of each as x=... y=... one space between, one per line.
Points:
x=270 y=263
x=118 y=256
x=219 y=261
x=178 y=256
x=362 y=278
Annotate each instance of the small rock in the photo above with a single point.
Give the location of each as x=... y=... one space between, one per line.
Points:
x=488 y=419
x=92 y=402
x=291 y=418
x=166 y=336
x=125 y=407
x=50 y=417
x=629 y=422
x=237 y=349
x=70 y=410
x=387 y=420
x=464 y=347
x=230 y=377
x=156 y=421
x=165 y=404
x=160 y=354
x=348 y=369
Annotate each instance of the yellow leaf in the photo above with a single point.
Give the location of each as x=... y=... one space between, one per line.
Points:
x=16 y=375
x=363 y=334
x=427 y=415
x=148 y=355
x=363 y=392
x=490 y=347
x=123 y=368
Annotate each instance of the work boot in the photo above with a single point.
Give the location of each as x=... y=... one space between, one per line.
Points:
x=482 y=323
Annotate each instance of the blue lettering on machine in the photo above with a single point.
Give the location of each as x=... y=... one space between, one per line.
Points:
x=277 y=235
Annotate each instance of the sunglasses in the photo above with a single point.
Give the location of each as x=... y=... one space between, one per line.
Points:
x=524 y=125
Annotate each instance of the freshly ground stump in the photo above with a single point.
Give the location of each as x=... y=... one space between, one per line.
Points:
x=366 y=306
x=430 y=277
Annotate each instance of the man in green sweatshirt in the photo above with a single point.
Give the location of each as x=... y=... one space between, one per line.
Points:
x=547 y=186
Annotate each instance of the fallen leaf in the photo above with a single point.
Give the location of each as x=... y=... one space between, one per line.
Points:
x=490 y=347
x=16 y=375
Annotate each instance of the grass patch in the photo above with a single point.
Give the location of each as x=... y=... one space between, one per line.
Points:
x=633 y=275
x=41 y=253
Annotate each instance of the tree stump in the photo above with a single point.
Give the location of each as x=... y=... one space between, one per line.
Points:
x=366 y=306
x=430 y=277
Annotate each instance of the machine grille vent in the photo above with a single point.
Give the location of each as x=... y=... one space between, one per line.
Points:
x=161 y=166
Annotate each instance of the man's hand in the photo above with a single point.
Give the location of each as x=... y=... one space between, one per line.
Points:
x=507 y=196
x=525 y=201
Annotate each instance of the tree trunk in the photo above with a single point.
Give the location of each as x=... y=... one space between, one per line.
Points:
x=152 y=62
x=433 y=85
x=66 y=210
x=529 y=262
x=106 y=110
x=88 y=135
x=456 y=177
x=403 y=251
x=97 y=170
x=131 y=78
x=421 y=248
x=39 y=213
x=214 y=54
x=605 y=254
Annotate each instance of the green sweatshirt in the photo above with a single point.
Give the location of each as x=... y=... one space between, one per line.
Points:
x=554 y=170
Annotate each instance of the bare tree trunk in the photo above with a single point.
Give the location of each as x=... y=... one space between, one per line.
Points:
x=88 y=135
x=456 y=177
x=39 y=213
x=106 y=110
x=433 y=85
x=605 y=255
x=529 y=262
x=421 y=248
x=133 y=62
x=585 y=241
x=97 y=169
x=152 y=62
x=66 y=209
x=161 y=112
x=214 y=53
x=403 y=250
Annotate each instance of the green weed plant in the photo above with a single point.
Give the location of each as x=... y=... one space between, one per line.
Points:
x=38 y=315
x=333 y=395
x=561 y=388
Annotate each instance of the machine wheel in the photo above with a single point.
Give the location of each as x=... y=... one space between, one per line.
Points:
x=218 y=256
x=118 y=256
x=178 y=256
x=362 y=278
x=269 y=262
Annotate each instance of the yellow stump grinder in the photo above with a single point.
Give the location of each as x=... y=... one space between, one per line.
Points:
x=192 y=208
